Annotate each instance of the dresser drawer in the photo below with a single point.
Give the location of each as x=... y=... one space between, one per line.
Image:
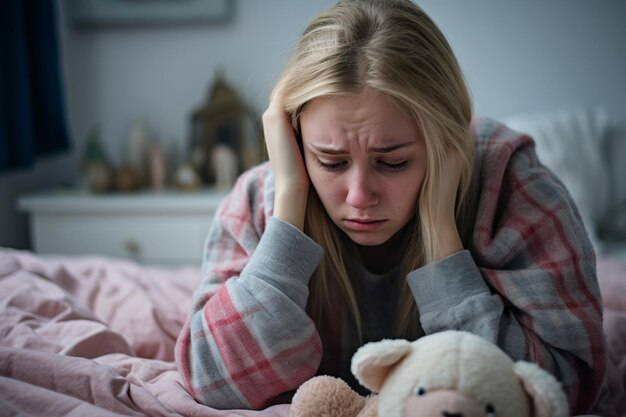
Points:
x=151 y=229
x=144 y=238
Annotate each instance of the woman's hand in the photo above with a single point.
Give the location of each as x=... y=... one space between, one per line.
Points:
x=449 y=240
x=290 y=176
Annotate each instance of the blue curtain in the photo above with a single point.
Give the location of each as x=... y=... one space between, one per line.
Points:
x=32 y=112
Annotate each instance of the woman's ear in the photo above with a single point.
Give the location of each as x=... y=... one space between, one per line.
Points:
x=373 y=361
x=547 y=395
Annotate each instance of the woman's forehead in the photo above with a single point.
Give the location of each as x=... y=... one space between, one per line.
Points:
x=367 y=113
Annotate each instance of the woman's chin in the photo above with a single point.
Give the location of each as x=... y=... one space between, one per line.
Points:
x=368 y=239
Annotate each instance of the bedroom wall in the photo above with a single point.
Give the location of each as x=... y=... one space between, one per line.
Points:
x=518 y=57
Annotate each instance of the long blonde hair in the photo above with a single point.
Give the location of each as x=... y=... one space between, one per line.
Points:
x=393 y=47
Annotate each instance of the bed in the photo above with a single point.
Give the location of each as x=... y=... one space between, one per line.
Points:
x=93 y=335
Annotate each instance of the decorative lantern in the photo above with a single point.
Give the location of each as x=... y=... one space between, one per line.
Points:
x=225 y=136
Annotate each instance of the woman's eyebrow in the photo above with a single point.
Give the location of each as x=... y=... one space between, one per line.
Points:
x=391 y=148
x=377 y=149
x=326 y=150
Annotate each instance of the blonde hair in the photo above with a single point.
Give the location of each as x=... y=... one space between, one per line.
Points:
x=395 y=48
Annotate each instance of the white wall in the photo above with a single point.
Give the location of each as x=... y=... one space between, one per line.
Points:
x=533 y=55
x=517 y=56
x=163 y=73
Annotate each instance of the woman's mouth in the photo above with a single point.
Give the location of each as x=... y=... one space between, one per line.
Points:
x=363 y=225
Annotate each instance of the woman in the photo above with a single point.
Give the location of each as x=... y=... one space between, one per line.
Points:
x=386 y=211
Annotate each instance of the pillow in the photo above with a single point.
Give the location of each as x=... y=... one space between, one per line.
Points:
x=570 y=143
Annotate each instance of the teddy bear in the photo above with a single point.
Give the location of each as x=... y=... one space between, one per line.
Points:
x=446 y=374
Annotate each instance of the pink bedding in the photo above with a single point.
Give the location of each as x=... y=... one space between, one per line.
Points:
x=612 y=279
x=95 y=336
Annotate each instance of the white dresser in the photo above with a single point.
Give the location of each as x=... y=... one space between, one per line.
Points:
x=166 y=228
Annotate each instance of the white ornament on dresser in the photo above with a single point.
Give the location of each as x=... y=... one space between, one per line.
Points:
x=166 y=228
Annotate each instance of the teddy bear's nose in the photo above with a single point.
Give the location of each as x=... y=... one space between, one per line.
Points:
x=446 y=414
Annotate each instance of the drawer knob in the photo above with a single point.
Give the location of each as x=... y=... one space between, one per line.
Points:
x=132 y=248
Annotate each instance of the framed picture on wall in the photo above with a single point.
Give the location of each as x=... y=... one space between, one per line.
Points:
x=87 y=14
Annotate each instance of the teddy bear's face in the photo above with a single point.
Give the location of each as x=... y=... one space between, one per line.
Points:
x=446 y=403
x=455 y=374
x=462 y=378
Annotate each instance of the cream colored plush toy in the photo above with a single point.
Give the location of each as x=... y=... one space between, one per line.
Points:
x=447 y=374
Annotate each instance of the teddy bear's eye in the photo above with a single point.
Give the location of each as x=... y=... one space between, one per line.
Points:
x=419 y=391
x=490 y=410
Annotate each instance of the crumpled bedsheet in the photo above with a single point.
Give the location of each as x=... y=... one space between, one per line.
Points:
x=95 y=336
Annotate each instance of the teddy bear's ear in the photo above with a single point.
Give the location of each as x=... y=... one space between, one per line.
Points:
x=371 y=362
x=547 y=395
x=326 y=396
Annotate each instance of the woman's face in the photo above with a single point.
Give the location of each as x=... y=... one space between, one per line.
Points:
x=367 y=160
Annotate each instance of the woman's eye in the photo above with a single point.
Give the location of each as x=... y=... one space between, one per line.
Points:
x=419 y=391
x=331 y=166
x=393 y=166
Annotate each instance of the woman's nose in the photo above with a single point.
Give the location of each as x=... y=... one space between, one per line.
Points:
x=362 y=191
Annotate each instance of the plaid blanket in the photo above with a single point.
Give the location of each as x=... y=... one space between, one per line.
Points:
x=248 y=338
